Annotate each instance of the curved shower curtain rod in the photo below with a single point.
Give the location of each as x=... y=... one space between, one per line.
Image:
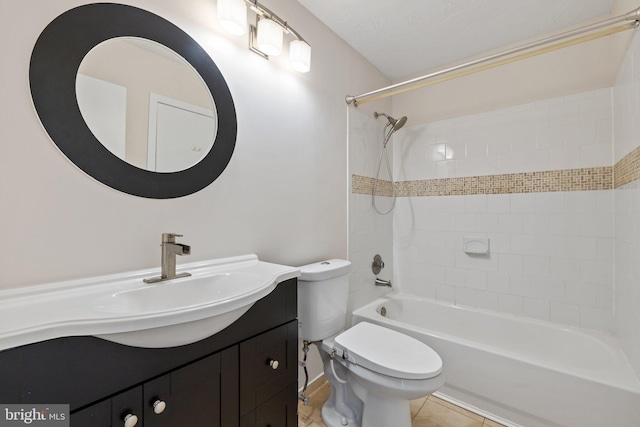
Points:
x=429 y=79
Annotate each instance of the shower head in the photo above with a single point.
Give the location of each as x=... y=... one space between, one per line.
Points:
x=395 y=124
x=399 y=123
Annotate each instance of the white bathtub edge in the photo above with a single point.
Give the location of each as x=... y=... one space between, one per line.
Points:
x=622 y=382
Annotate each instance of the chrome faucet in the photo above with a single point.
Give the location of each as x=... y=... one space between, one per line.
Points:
x=168 y=262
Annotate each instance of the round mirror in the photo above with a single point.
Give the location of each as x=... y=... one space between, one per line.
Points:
x=75 y=48
x=146 y=104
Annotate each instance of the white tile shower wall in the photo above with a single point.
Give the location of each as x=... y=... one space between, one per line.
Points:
x=560 y=133
x=627 y=271
x=626 y=107
x=551 y=254
x=365 y=142
x=626 y=103
x=369 y=232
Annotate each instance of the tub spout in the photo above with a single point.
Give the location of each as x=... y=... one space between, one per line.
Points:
x=380 y=282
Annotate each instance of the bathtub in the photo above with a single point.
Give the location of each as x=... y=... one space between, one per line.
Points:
x=516 y=370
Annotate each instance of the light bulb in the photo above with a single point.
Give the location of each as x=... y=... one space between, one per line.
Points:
x=300 y=56
x=270 y=36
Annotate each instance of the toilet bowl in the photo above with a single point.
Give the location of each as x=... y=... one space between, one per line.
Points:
x=385 y=370
x=373 y=371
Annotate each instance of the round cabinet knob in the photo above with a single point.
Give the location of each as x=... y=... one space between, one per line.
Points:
x=159 y=406
x=274 y=364
x=130 y=420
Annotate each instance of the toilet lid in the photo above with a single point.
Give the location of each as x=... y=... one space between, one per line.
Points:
x=389 y=352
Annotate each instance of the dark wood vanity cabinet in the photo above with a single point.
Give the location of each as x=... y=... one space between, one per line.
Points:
x=246 y=375
x=192 y=395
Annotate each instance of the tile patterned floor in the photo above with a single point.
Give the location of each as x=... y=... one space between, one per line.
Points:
x=426 y=412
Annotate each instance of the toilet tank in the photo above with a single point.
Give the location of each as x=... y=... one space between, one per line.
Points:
x=323 y=288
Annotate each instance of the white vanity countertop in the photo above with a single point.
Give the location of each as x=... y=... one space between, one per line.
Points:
x=123 y=303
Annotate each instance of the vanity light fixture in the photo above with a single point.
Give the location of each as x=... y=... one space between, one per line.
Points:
x=300 y=56
x=232 y=16
x=266 y=37
x=269 y=37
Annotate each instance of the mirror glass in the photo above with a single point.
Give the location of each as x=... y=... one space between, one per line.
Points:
x=146 y=104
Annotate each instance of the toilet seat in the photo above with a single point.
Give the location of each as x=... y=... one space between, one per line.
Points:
x=388 y=352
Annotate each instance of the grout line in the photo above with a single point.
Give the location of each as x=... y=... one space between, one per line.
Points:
x=419 y=409
x=458 y=409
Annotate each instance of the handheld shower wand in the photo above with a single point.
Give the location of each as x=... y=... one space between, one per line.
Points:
x=395 y=125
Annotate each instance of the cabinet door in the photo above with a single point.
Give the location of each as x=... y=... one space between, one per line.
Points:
x=191 y=396
x=10 y=377
x=279 y=411
x=111 y=412
x=268 y=365
x=125 y=404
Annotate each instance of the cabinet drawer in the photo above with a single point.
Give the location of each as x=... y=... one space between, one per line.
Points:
x=269 y=365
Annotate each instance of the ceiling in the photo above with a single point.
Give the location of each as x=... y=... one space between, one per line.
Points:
x=408 y=37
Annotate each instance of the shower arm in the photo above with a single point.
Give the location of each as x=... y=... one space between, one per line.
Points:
x=631 y=18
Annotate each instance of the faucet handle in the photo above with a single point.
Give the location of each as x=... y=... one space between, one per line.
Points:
x=170 y=237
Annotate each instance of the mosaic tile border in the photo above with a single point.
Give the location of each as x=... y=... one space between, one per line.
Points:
x=585 y=179
x=627 y=169
x=364 y=185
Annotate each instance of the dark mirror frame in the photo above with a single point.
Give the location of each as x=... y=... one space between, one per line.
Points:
x=55 y=61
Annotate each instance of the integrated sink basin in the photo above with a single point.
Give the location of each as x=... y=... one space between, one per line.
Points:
x=180 y=294
x=123 y=309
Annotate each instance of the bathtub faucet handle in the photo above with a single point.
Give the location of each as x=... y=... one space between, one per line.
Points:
x=377 y=265
x=380 y=282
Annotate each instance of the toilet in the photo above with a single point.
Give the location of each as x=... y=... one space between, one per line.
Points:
x=373 y=371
